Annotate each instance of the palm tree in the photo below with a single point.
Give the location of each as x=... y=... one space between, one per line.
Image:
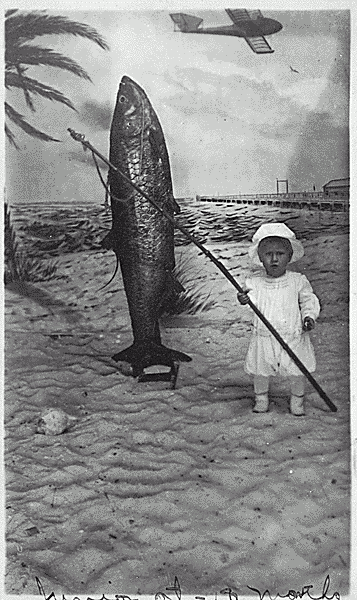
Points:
x=21 y=28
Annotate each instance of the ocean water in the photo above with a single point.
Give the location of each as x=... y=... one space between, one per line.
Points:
x=49 y=231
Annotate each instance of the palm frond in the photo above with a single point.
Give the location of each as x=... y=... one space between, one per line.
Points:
x=20 y=71
x=23 y=27
x=10 y=136
x=25 y=126
x=37 y=55
x=35 y=87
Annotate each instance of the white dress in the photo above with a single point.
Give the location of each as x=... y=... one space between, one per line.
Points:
x=285 y=301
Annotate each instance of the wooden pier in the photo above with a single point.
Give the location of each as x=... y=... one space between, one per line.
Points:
x=306 y=200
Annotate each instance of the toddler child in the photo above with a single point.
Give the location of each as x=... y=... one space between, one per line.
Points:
x=287 y=301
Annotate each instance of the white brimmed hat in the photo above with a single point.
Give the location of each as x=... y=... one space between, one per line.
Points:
x=275 y=230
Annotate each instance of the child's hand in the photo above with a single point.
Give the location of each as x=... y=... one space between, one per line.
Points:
x=243 y=297
x=308 y=324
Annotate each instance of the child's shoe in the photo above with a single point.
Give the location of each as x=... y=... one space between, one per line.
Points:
x=297 y=405
x=261 y=403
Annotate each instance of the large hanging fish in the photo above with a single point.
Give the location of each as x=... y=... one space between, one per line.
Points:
x=141 y=237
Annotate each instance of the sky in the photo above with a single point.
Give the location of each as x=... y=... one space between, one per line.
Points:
x=234 y=121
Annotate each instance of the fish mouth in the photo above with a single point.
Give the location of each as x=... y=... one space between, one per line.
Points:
x=134 y=107
x=126 y=81
x=130 y=90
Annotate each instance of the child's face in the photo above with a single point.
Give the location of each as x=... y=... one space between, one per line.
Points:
x=275 y=254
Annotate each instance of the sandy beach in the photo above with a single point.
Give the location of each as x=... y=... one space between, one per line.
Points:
x=148 y=483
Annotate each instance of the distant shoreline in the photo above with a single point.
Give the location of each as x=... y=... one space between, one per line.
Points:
x=203 y=200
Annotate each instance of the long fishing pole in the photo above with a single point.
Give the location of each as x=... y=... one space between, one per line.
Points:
x=81 y=138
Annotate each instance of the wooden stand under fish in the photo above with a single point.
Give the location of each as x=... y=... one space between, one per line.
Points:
x=141 y=237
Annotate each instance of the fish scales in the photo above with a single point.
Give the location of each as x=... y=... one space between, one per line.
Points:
x=141 y=237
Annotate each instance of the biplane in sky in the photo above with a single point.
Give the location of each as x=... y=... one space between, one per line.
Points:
x=247 y=24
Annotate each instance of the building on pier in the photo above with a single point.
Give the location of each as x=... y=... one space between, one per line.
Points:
x=337 y=188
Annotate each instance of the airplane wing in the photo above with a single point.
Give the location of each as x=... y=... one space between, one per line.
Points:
x=259 y=45
x=238 y=15
x=241 y=16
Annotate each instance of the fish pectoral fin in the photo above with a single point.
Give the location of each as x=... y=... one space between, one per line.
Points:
x=142 y=355
x=172 y=204
x=108 y=242
x=169 y=203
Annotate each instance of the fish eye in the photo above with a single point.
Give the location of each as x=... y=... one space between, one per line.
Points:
x=122 y=99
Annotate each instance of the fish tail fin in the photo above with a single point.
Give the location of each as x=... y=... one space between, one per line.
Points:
x=146 y=354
